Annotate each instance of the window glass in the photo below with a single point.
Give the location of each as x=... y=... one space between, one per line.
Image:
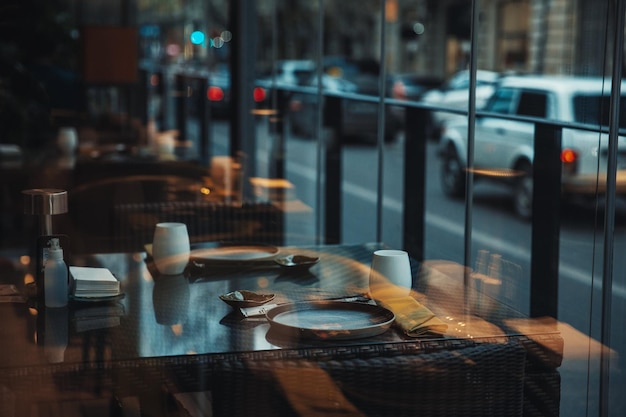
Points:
x=297 y=123
x=532 y=104
x=501 y=101
x=595 y=110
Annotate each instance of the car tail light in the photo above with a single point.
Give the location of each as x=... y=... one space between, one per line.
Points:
x=215 y=93
x=569 y=158
x=259 y=94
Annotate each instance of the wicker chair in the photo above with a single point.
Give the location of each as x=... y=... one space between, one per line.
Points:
x=481 y=380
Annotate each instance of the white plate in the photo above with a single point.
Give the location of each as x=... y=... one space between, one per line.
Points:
x=241 y=253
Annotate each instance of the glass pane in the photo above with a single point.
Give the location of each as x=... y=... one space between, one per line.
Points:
x=327 y=130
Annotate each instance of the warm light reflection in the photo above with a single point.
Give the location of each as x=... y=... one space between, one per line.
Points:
x=146 y=273
x=205 y=191
x=25 y=260
x=263 y=282
x=177 y=329
x=264 y=112
x=502 y=173
x=29 y=278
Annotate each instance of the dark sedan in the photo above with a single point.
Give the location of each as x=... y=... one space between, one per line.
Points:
x=359 y=117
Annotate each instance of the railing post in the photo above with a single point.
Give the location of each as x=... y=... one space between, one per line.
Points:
x=181 y=104
x=333 y=178
x=204 y=115
x=242 y=123
x=415 y=139
x=279 y=127
x=544 y=268
x=162 y=90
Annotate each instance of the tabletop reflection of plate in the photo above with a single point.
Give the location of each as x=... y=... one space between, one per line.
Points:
x=330 y=319
x=242 y=253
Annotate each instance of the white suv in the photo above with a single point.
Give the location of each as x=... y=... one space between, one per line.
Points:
x=454 y=94
x=503 y=149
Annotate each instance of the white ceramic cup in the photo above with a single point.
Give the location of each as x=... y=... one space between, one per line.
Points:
x=390 y=274
x=170 y=248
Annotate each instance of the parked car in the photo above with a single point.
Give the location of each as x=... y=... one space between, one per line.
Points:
x=219 y=91
x=411 y=87
x=303 y=106
x=288 y=72
x=503 y=149
x=359 y=118
x=454 y=94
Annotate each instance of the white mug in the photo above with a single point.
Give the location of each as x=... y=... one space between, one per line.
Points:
x=390 y=274
x=170 y=248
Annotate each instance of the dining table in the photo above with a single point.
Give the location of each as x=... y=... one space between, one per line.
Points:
x=171 y=342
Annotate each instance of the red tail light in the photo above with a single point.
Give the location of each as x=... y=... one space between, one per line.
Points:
x=568 y=156
x=259 y=94
x=215 y=94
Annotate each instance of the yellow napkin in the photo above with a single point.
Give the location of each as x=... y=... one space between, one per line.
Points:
x=414 y=318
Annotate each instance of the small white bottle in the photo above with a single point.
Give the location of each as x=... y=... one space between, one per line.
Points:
x=55 y=275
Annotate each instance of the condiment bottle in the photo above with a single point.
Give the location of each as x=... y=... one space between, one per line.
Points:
x=56 y=282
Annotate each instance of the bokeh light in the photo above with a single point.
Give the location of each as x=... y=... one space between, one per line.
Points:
x=217 y=42
x=197 y=37
x=226 y=35
x=418 y=28
x=172 y=49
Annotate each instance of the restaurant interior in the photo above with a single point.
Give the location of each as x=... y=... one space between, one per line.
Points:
x=245 y=208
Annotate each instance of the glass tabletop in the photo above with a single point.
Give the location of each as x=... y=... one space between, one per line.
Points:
x=163 y=316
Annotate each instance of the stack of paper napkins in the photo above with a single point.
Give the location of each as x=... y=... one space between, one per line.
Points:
x=94 y=282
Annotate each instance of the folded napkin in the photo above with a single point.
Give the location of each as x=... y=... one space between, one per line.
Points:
x=414 y=318
x=94 y=282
